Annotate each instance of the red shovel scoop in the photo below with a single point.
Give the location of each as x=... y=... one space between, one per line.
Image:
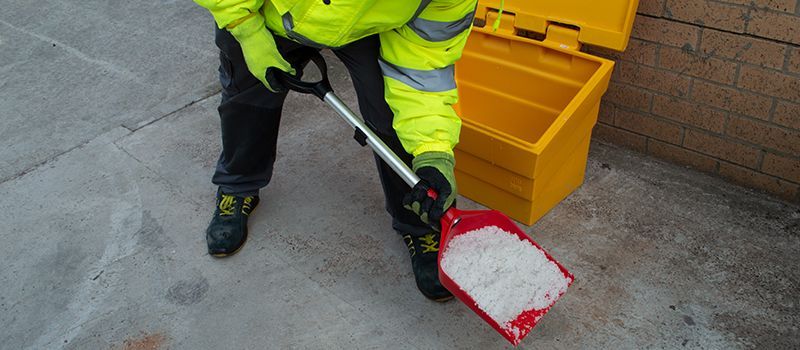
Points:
x=454 y=223
x=459 y=222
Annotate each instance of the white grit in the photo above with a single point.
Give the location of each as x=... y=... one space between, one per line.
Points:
x=503 y=273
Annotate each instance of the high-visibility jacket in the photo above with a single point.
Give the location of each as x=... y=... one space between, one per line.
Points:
x=420 y=42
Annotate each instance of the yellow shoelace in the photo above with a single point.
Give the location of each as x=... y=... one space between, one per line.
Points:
x=410 y=244
x=429 y=244
x=226 y=205
x=246 y=206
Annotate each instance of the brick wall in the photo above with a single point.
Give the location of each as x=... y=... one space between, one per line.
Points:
x=714 y=85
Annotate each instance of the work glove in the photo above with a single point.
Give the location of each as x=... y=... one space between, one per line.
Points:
x=260 y=51
x=435 y=170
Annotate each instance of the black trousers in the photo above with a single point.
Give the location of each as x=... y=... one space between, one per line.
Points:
x=250 y=116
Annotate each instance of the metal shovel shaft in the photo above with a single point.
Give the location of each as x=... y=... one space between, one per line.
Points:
x=373 y=140
x=466 y=220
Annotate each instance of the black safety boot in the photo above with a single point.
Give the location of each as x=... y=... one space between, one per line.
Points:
x=424 y=251
x=227 y=231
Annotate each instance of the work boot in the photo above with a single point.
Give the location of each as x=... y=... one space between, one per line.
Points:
x=227 y=231
x=424 y=251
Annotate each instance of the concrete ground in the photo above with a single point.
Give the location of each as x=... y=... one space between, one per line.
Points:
x=109 y=135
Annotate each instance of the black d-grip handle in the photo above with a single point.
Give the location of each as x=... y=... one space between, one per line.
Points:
x=317 y=88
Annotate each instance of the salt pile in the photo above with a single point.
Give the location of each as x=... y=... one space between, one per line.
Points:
x=503 y=273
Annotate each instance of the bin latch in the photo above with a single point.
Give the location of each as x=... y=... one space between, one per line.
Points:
x=563 y=35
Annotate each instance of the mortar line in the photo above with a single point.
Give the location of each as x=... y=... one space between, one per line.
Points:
x=736 y=76
x=745 y=90
x=748 y=17
x=787 y=55
x=657 y=62
x=670 y=19
x=734 y=139
x=751 y=6
x=683 y=137
x=772 y=109
x=699 y=42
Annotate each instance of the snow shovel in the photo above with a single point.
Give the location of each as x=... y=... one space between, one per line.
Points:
x=454 y=222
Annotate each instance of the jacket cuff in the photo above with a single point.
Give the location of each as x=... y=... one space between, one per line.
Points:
x=248 y=27
x=439 y=147
x=433 y=159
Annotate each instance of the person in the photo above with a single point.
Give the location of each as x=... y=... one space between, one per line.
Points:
x=400 y=55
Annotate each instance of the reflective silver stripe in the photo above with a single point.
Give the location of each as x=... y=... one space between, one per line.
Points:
x=422 y=5
x=440 y=31
x=288 y=25
x=436 y=80
x=435 y=31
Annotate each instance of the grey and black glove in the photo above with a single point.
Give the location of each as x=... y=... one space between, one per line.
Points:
x=435 y=170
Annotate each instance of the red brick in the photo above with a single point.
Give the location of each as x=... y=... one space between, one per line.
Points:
x=666 y=32
x=651 y=7
x=606 y=113
x=649 y=126
x=708 y=14
x=782 y=167
x=765 y=135
x=787 y=114
x=778 y=5
x=770 y=82
x=689 y=113
x=691 y=63
x=743 y=49
x=652 y=78
x=775 y=25
x=734 y=100
x=750 y=178
x=628 y=96
x=620 y=137
x=681 y=156
x=794 y=60
x=640 y=52
x=721 y=148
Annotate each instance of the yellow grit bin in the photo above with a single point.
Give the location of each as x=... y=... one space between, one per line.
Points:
x=528 y=106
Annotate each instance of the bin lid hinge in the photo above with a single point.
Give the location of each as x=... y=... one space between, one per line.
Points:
x=490 y=15
x=563 y=35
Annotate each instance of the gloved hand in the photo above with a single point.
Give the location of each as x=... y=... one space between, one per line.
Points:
x=435 y=169
x=260 y=52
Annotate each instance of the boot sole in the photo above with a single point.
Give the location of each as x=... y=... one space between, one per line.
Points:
x=438 y=300
x=225 y=255
x=442 y=300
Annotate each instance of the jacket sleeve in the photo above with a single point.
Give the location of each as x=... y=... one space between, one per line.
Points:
x=243 y=19
x=417 y=61
x=229 y=13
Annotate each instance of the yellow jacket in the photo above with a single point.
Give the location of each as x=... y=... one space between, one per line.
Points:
x=420 y=42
